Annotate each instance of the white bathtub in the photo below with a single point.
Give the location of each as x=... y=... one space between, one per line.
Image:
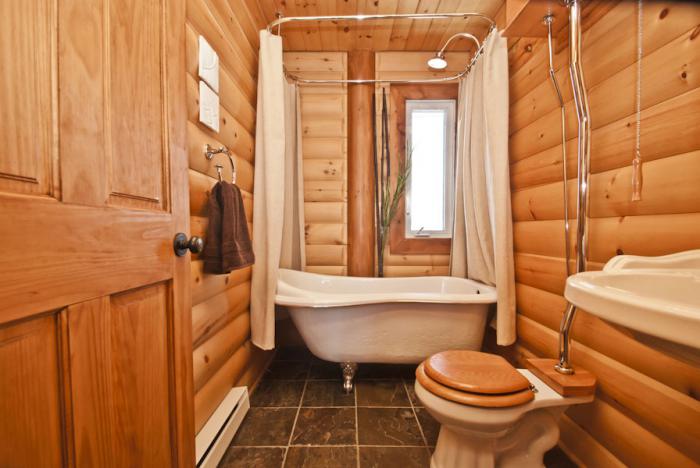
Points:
x=384 y=320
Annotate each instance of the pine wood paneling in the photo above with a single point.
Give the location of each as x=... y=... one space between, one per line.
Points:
x=223 y=353
x=647 y=400
x=324 y=152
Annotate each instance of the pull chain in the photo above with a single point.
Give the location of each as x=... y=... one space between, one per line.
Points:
x=637 y=179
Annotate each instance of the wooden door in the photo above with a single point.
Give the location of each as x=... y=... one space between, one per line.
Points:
x=95 y=327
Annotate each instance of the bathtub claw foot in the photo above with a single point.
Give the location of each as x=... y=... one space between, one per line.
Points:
x=349 y=370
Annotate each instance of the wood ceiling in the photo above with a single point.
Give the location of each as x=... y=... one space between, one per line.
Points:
x=381 y=35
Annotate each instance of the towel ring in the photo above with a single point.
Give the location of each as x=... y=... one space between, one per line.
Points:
x=210 y=152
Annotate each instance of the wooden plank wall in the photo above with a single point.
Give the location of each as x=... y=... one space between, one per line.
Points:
x=223 y=354
x=647 y=409
x=399 y=65
x=324 y=149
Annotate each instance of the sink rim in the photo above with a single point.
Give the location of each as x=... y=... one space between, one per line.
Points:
x=582 y=291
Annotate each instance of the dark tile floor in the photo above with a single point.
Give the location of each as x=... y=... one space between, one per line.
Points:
x=300 y=417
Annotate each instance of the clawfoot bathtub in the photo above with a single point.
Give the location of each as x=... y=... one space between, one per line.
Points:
x=352 y=320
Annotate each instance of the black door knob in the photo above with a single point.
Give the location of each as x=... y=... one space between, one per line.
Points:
x=181 y=244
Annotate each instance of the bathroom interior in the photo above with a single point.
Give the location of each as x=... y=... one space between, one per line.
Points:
x=346 y=233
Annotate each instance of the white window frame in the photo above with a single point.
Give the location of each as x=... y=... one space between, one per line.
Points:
x=450 y=106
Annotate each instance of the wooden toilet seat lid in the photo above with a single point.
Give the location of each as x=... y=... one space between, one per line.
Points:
x=475 y=372
x=473 y=399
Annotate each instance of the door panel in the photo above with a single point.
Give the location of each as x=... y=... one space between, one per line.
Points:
x=121 y=404
x=27 y=31
x=30 y=425
x=93 y=189
x=60 y=254
x=136 y=104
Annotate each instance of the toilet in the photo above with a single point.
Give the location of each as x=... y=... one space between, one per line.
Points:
x=490 y=413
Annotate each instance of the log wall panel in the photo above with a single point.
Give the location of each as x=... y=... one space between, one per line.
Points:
x=582 y=448
x=610 y=192
x=647 y=400
x=620 y=235
x=213 y=353
x=324 y=153
x=223 y=354
x=325 y=191
x=328 y=270
x=213 y=313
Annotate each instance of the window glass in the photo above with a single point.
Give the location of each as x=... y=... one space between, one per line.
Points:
x=430 y=134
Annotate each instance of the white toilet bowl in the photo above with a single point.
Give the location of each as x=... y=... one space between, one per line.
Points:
x=516 y=436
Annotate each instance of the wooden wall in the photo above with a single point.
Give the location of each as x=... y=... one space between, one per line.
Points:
x=223 y=354
x=399 y=65
x=646 y=412
x=324 y=150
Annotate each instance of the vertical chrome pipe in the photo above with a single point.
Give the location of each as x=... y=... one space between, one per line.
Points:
x=548 y=20
x=583 y=150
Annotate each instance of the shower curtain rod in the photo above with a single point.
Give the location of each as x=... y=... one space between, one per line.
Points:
x=288 y=19
x=424 y=16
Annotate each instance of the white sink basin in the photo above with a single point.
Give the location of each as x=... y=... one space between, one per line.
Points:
x=658 y=296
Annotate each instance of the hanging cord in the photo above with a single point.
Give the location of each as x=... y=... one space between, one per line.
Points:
x=548 y=20
x=637 y=178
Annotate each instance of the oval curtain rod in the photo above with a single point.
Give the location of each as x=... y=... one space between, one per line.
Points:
x=420 y=16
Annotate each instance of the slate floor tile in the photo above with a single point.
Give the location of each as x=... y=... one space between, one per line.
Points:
x=327 y=393
x=325 y=426
x=266 y=427
x=394 y=457
x=381 y=393
x=277 y=393
x=388 y=426
x=253 y=457
x=321 y=457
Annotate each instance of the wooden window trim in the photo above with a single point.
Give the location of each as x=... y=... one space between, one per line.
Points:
x=398 y=242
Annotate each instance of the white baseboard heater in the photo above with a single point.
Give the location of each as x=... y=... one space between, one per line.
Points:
x=216 y=435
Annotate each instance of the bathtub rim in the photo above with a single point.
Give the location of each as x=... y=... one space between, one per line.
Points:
x=316 y=299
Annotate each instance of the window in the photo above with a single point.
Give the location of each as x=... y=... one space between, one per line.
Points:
x=423 y=121
x=430 y=143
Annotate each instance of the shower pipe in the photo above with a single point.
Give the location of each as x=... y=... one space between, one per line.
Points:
x=548 y=20
x=584 y=156
x=417 y=16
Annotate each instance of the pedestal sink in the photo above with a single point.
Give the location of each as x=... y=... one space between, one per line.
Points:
x=657 y=296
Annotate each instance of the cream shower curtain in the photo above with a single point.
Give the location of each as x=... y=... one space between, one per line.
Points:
x=278 y=215
x=482 y=243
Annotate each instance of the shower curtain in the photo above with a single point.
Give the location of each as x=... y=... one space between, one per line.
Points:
x=482 y=242
x=278 y=215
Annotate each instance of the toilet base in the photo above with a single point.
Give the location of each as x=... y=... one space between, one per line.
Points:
x=523 y=445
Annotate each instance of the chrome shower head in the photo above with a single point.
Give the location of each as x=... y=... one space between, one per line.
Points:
x=438 y=62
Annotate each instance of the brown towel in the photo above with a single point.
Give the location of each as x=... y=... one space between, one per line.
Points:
x=228 y=245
